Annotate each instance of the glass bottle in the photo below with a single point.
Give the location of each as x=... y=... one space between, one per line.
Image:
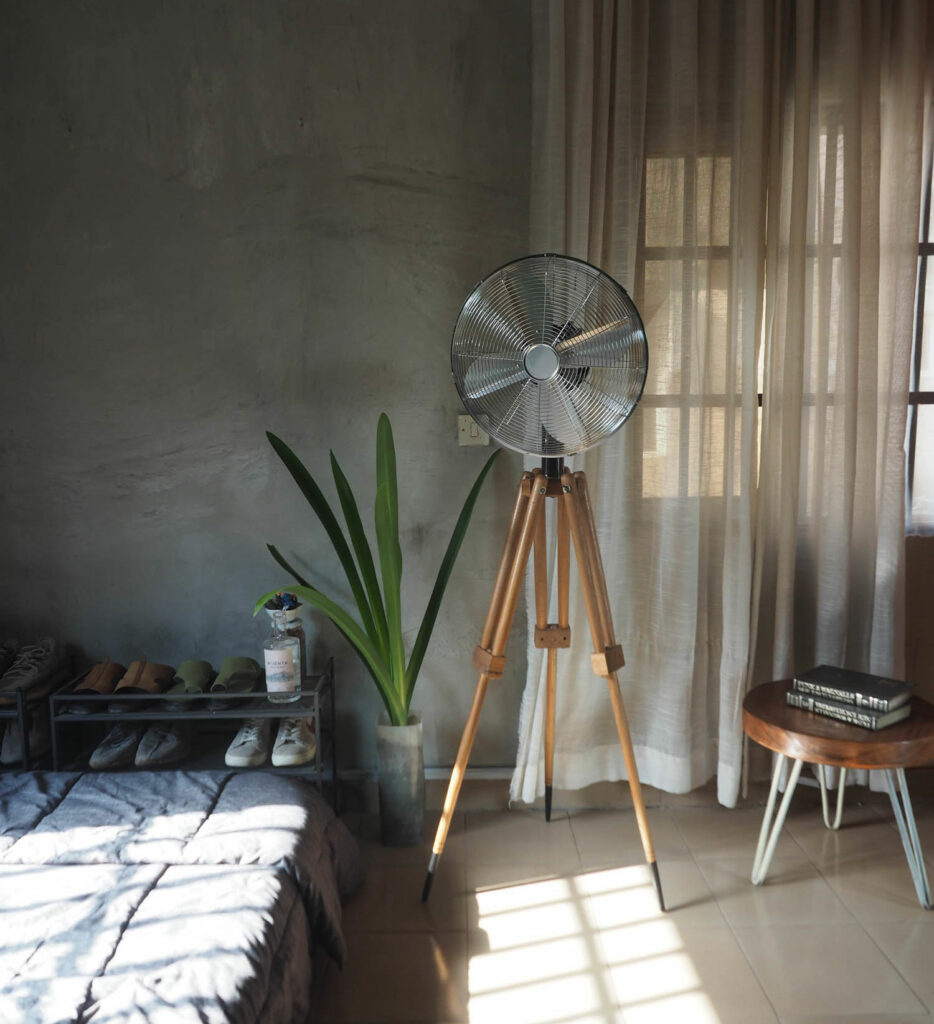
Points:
x=294 y=628
x=281 y=654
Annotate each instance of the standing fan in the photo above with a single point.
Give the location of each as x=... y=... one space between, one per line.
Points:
x=549 y=357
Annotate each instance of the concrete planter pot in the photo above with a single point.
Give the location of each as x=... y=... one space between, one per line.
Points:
x=401 y=778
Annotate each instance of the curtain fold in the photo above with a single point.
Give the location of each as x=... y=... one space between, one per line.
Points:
x=750 y=172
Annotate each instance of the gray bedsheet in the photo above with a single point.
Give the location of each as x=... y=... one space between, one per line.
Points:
x=166 y=897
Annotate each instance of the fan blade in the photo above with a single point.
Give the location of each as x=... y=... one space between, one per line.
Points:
x=556 y=390
x=598 y=340
x=483 y=379
x=500 y=335
x=517 y=402
x=596 y=405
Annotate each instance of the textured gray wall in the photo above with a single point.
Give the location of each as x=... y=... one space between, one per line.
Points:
x=223 y=218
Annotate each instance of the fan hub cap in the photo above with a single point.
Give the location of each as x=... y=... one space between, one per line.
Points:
x=541 y=362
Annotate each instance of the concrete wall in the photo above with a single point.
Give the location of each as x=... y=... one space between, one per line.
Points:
x=223 y=218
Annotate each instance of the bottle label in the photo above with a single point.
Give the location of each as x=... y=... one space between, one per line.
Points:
x=281 y=670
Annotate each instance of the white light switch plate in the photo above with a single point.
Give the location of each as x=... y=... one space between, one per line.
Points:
x=469 y=434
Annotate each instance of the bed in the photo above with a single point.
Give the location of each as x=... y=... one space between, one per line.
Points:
x=167 y=896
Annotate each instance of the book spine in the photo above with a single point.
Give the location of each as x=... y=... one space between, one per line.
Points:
x=850 y=715
x=844 y=696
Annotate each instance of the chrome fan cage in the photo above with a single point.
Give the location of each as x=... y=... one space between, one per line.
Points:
x=549 y=355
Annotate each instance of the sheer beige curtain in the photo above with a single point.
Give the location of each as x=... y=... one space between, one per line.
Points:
x=844 y=187
x=734 y=166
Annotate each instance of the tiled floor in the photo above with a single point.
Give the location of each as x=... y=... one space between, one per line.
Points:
x=535 y=923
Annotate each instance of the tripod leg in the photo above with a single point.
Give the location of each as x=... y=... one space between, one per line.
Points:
x=564 y=572
x=576 y=499
x=457 y=777
x=541 y=621
x=550 y=691
x=493 y=643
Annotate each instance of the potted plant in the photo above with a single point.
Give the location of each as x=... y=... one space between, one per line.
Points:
x=375 y=632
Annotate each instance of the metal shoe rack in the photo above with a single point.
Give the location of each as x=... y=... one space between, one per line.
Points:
x=19 y=713
x=202 y=710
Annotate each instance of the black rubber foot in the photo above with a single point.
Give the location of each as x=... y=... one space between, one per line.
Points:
x=658 y=887
x=548 y=803
x=429 y=877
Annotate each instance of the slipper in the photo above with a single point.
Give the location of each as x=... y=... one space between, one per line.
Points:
x=191 y=676
x=101 y=680
x=237 y=675
x=142 y=677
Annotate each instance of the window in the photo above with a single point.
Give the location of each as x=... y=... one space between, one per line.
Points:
x=690 y=422
x=920 y=443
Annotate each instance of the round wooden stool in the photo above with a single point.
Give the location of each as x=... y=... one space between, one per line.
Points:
x=805 y=737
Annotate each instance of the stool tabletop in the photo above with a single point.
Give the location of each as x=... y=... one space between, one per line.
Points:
x=810 y=737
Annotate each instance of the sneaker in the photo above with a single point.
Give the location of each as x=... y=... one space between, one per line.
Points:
x=295 y=743
x=8 y=649
x=250 y=746
x=36 y=669
x=162 y=744
x=39 y=738
x=117 y=748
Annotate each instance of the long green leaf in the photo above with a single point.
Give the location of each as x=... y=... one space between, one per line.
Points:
x=361 y=547
x=274 y=551
x=329 y=521
x=361 y=644
x=386 y=514
x=444 y=574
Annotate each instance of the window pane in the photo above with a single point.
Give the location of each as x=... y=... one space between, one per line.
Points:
x=660 y=461
x=922 y=498
x=826 y=216
x=712 y=455
x=926 y=378
x=664 y=201
x=661 y=313
x=709 y=360
x=713 y=200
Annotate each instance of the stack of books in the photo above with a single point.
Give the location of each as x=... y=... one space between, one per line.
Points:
x=856 y=698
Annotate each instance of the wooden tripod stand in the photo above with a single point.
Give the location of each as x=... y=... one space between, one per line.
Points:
x=527 y=528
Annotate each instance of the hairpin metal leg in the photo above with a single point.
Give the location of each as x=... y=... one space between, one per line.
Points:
x=907 y=829
x=841 y=791
x=768 y=834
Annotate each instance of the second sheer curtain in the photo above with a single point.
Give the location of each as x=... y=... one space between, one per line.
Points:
x=734 y=166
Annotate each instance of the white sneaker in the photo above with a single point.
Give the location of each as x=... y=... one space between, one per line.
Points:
x=163 y=743
x=36 y=669
x=250 y=747
x=117 y=748
x=40 y=736
x=8 y=649
x=295 y=743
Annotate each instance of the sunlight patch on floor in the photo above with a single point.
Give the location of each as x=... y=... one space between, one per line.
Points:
x=591 y=948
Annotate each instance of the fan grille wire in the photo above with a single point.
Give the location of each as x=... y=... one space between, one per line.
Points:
x=592 y=326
